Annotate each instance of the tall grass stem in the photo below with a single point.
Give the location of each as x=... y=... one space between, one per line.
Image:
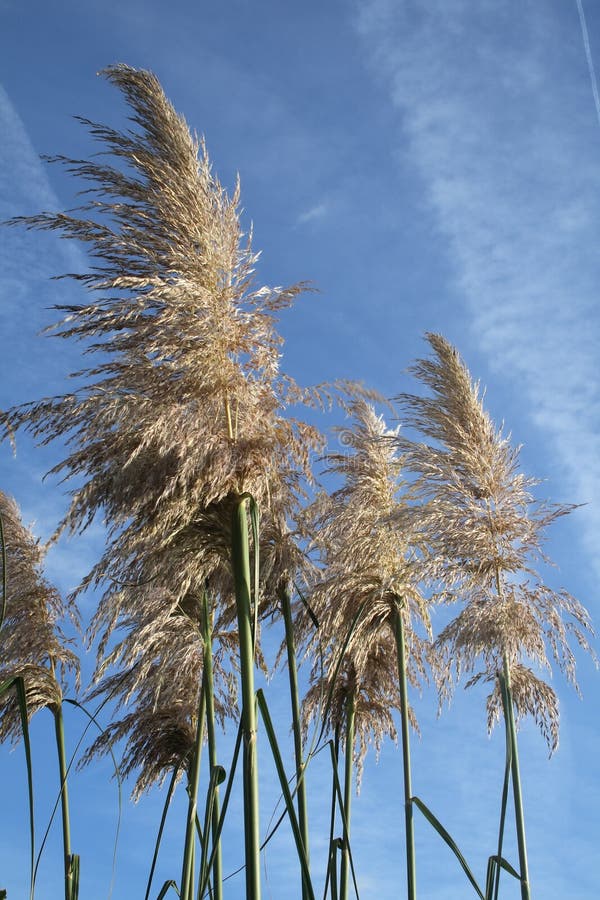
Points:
x=187 y=871
x=59 y=729
x=296 y=726
x=212 y=748
x=408 y=805
x=348 y=772
x=240 y=558
x=516 y=780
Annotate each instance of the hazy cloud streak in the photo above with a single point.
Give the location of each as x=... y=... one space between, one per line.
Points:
x=588 y=56
x=501 y=135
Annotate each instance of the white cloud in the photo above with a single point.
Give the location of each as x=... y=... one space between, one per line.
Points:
x=500 y=123
x=315 y=212
x=31 y=367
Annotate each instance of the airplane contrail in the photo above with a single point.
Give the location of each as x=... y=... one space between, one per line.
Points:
x=588 y=55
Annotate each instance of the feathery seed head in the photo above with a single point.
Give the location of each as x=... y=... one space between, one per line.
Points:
x=154 y=675
x=485 y=533
x=370 y=565
x=183 y=410
x=31 y=643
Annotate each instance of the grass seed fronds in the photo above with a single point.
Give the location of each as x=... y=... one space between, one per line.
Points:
x=487 y=532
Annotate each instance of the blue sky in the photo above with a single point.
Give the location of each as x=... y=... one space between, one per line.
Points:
x=429 y=166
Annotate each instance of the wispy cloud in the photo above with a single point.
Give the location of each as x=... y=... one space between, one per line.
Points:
x=315 y=212
x=504 y=136
x=588 y=55
x=31 y=367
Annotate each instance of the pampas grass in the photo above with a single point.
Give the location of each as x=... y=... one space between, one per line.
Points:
x=486 y=531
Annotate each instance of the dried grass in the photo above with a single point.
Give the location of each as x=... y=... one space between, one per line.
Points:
x=370 y=561
x=486 y=533
x=184 y=408
x=32 y=644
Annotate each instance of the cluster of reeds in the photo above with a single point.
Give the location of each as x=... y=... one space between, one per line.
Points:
x=180 y=438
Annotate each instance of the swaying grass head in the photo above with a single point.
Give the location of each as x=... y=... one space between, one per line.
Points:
x=31 y=642
x=486 y=533
x=155 y=682
x=183 y=408
x=370 y=564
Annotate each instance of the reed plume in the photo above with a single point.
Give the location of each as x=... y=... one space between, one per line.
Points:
x=33 y=648
x=486 y=534
x=32 y=644
x=182 y=415
x=367 y=599
x=370 y=565
x=154 y=675
x=183 y=409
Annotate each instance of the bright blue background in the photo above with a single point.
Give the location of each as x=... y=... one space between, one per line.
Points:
x=429 y=166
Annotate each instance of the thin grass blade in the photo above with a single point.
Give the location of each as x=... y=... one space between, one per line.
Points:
x=217 y=777
x=262 y=705
x=163 y=819
x=166 y=888
x=92 y=717
x=296 y=723
x=307 y=606
x=332 y=854
x=187 y=870
x=240 y=564
x=336 y=670
x=226 y=796
x=338 y=790
x=449 y=840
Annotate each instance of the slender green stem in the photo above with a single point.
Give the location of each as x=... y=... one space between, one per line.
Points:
x=509 y=720
x=64 y=800
x=212 y=747
x=161 y=828
x=516 y=780
x=335 y=747
x=226 y=796
x=348 y=771
x=333 y=854
x=187 y=871
x=192 y=869
x=240 y=557
x=505 y=788
x=408 y=805
x=296 y=726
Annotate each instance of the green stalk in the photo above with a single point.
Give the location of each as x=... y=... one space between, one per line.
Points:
x=296 y=726
x=505 y=788
x=212 y=748
x=333 y=869
x=408 y=805
x=509 y=721
x=161 y=828
x=240 y=559
x=187 y=871
x=348 y=769
x=516 y=780
x=335 y=746
x=64 y=800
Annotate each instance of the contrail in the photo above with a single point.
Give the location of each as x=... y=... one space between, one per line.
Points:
x=588 y=55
